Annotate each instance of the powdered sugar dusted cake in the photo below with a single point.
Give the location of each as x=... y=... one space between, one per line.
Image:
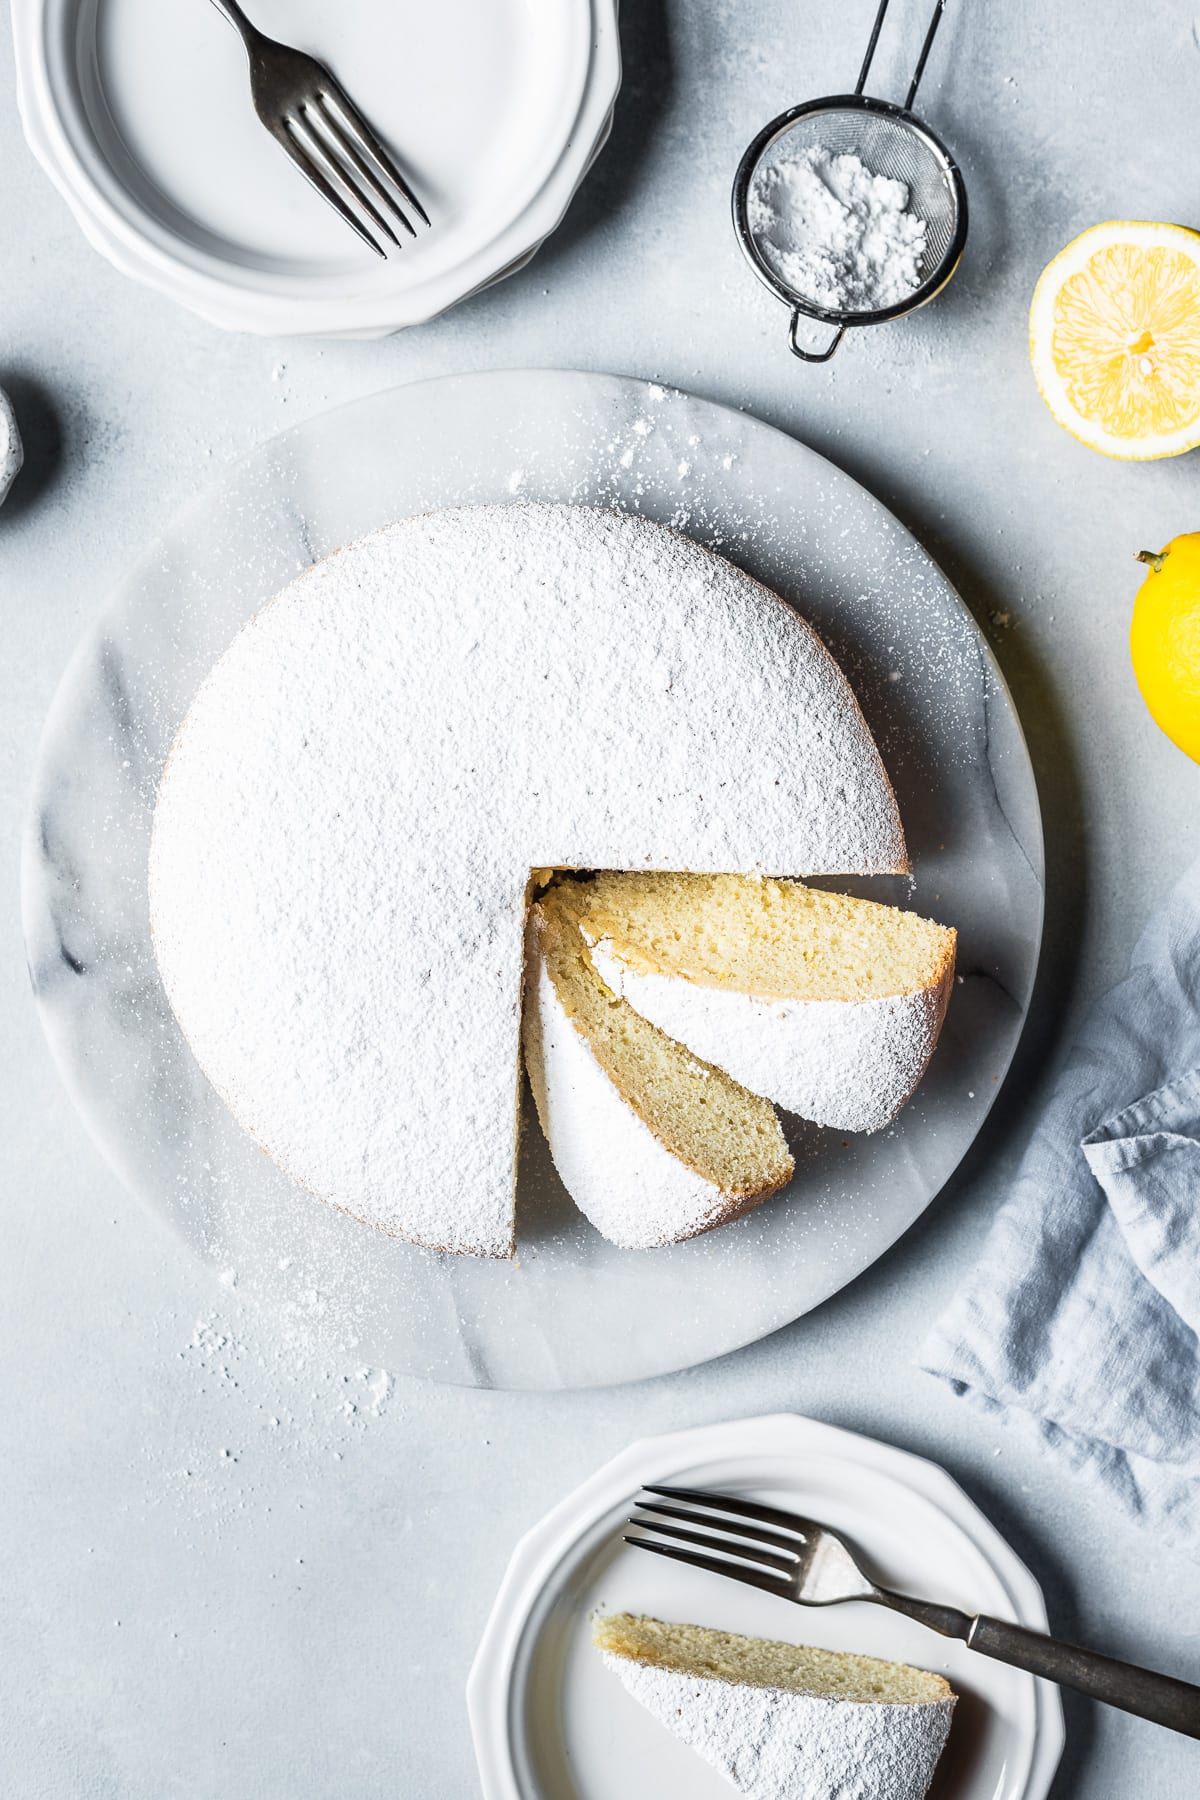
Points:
x=847 y=1064
x=827 y=1004
x=349 y=817
x=617 y=1172
x=784 y=1722
x=638 y=1192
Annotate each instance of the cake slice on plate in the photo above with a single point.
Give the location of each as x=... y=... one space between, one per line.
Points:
x=653 y=1144
x=782 y=1722
x=828 y=1005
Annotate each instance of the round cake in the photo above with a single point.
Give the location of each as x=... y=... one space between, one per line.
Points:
x=350 y=815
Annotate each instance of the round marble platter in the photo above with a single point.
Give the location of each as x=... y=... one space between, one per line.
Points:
x=570 y=1310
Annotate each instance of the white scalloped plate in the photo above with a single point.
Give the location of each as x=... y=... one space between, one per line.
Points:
x=140 y=114
x=550 y=1723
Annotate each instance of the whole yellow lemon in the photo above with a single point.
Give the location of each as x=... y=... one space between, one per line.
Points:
x=1164 y=639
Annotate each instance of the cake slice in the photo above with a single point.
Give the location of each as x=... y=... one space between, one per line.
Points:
x=828 y=1005
x=653 y=1144
x=782 y=1722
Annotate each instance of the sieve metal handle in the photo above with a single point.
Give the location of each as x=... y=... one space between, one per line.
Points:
x=935 y=20
x=816 y=356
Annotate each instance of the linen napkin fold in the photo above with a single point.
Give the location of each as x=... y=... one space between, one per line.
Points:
x=1084 y=1313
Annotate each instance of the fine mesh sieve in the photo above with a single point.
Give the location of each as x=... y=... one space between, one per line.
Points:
x=891 y=141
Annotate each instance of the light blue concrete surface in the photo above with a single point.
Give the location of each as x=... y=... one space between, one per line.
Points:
x=217 y=1580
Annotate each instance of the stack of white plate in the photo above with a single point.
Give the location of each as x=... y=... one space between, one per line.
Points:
x=140 y=113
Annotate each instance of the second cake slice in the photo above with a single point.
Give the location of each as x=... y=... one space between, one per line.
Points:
x=826 y=1004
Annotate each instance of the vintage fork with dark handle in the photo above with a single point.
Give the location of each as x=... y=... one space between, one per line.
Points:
x=312 y=117
x=802 y=1561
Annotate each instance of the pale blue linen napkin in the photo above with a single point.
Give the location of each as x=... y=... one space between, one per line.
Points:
x=1084 y=1312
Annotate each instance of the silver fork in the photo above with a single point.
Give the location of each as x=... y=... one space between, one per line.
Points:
x=312 y=117
x=799 y=1560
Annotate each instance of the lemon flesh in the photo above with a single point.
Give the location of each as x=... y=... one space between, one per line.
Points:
x=1114 y=333
x=1164 y=641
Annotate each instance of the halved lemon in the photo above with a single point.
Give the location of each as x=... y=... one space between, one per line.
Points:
x=1114 y=332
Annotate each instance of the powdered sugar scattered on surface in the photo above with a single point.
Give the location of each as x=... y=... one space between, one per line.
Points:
x=257 y=1392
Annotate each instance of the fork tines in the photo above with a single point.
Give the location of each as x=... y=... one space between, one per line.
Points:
x=334 y=147
x=753 y=1543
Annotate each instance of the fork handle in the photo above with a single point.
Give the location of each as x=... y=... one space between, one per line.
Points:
x=1135 y=1690
x=246 y=31
x=1142 y=1691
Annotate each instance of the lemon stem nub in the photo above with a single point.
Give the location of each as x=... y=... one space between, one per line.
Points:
x=1156 y=558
